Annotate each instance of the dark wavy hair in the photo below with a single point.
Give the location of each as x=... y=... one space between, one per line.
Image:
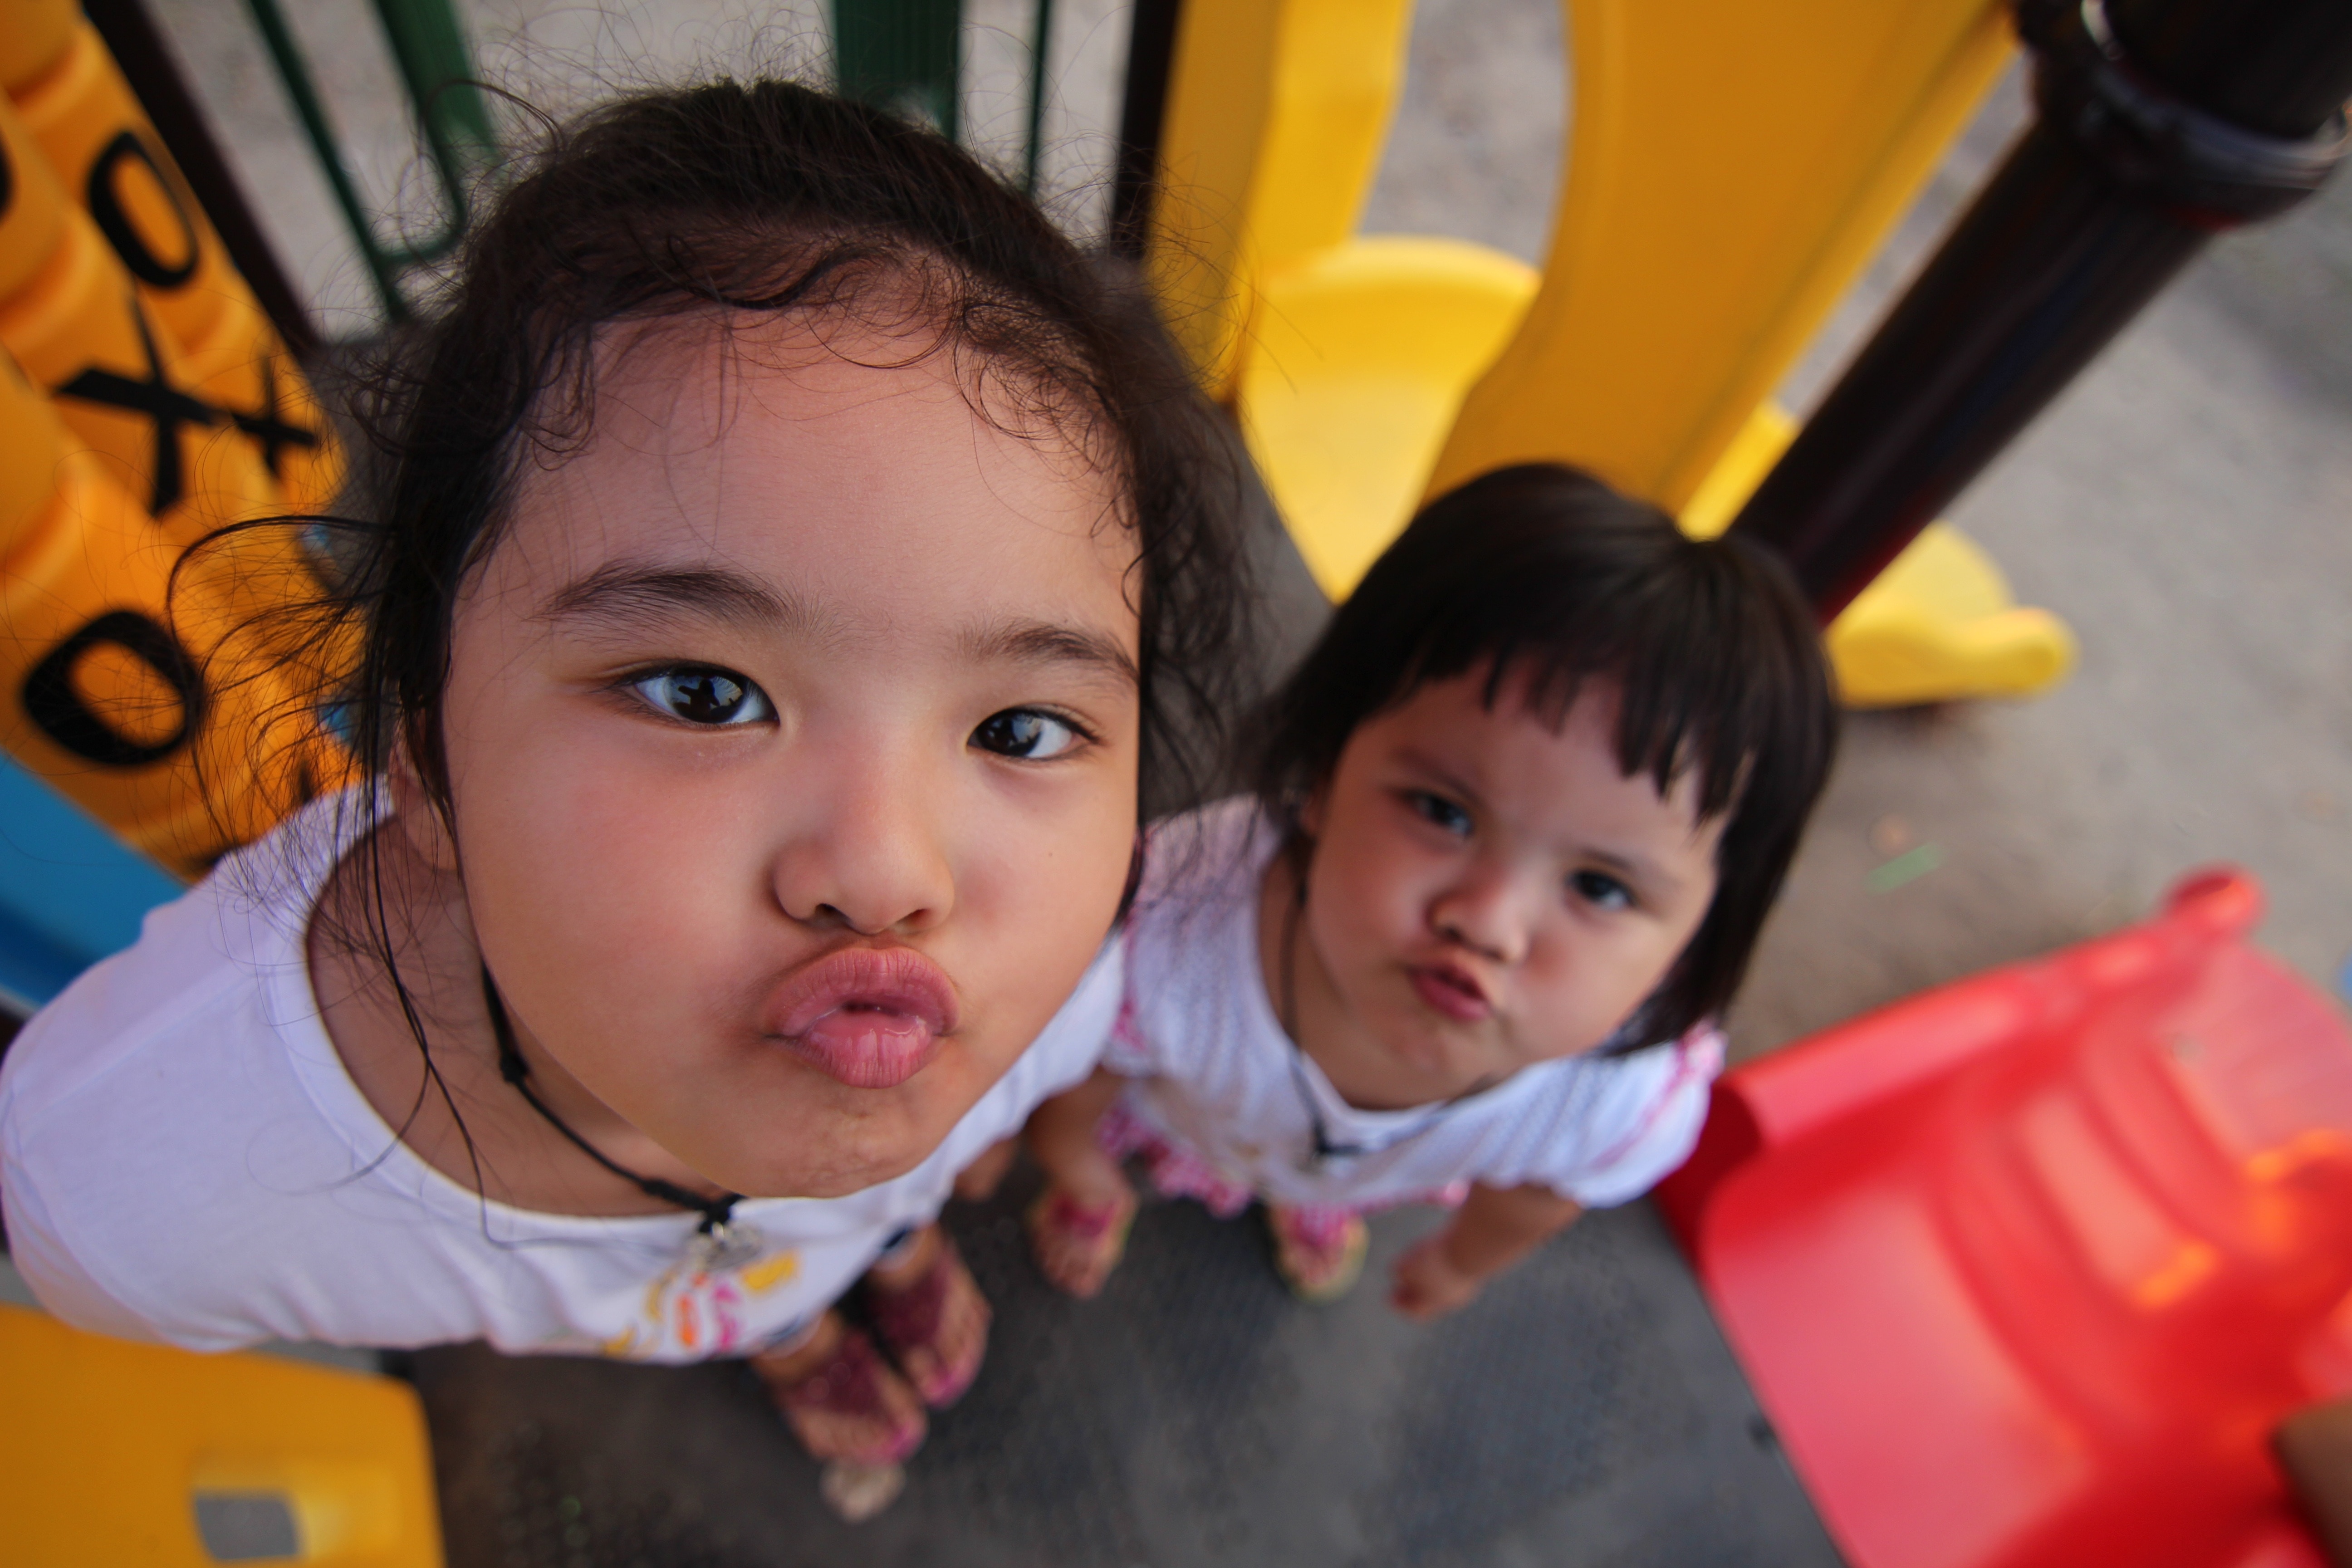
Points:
x=768 y=199
x=1543 y=571
x=736 y=201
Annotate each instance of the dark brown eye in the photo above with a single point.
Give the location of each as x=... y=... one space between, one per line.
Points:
x=1026 y=733
x=1441 y=812
x=1601 y=890
x=712 y=697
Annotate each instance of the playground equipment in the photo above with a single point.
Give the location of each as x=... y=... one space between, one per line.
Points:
x=146 y=404
x=117 y=1453
x=1371 y=371
x=2026 y=1269
x=70 y=892
x=435 y=65
x=1940 y=610
x=220 y=362
x=907 y=56
x=101 y=692
x=2161 y=124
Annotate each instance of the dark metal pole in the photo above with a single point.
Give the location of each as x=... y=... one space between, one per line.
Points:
x=1151 y=53
x=2161 y=122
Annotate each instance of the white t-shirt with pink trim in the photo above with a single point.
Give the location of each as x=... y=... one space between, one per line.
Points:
x=1217 y=1076
x=184 y=1157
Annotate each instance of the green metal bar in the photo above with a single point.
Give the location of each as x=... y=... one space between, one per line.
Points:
x=295 y=74
x=435 y=65
x=437 y=61
x=1041 y=38
x=904 y=56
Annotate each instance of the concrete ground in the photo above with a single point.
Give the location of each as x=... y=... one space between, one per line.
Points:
x=2184 y=506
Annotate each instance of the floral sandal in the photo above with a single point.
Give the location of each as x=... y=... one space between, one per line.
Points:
x=1077 y=1244
x=1318 y=1252
x=853 y=1386
x=909 y=1320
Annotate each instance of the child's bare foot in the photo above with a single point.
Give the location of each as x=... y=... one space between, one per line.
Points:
x=841 y=1398
x=980 y=1180
x=1078 y=1242
x=930 y=1316
x=1317 y=1256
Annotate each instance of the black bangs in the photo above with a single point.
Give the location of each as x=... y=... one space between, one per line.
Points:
x=1545 y=575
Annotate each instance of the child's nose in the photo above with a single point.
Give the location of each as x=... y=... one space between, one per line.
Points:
x=1484 y=912
x=871 y=856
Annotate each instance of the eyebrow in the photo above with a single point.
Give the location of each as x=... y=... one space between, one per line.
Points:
x=1633 y=867
x=631 y=596
x=627 y=595
x=1042 y=642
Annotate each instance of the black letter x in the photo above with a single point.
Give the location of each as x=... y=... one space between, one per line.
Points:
x=158 y=399
x=267 y=425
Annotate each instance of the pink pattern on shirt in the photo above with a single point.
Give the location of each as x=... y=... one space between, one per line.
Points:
x=1176 y=1169
x=1697 y=1055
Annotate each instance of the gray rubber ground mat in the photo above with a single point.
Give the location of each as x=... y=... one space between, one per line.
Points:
x=1585 y=1411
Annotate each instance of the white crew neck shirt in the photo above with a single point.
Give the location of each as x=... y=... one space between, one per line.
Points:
x=1215 y=1073
x=184 y=1158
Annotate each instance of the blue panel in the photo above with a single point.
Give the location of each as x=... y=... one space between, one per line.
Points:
x=70 y=892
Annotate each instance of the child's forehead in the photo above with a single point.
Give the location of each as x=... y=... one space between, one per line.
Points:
x=835 y=477
x=693 y=402
x=694 y=374
x=1489 y=723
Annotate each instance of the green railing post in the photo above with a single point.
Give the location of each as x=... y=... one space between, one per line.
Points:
x=907 y=56
x=436 y=66
x=1041 y=36
x=904 y=56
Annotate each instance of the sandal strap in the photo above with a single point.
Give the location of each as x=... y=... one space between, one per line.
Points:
x=849 y=1382
x=1321 y=1228
x=911 y=1314
x=1086 y=1222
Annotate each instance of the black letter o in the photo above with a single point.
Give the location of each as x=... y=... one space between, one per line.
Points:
x=106 y=206
x=51 y=701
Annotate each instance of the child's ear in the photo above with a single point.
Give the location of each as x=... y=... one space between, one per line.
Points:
x=1312 y=809
x=420 y=816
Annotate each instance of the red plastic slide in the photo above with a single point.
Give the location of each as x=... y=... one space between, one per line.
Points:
x=2025 y=1268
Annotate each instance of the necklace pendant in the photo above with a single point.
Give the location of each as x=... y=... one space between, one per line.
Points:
x=725 y=1246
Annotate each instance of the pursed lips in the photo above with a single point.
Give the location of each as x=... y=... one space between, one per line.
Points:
x=1452 y=991
x=868 y=1017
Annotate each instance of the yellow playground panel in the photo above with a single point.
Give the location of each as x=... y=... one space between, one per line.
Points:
x=1729 y=169
x=1344 y=420
x=127 y=1455
x=146 y=404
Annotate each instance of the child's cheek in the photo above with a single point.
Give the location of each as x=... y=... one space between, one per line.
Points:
x=1038 y=892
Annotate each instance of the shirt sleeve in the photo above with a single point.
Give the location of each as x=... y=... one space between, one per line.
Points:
x=1640 y=1127
x=59 y=1283
x=1129 y=1052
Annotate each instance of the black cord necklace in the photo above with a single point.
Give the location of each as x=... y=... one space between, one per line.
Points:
x=1326 y=1148
x=720 y=1242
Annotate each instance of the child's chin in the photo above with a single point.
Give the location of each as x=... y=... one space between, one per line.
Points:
x=1431 y=1053
x=849 y=1161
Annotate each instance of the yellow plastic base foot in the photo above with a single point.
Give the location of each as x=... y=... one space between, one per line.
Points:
x=1939 y=624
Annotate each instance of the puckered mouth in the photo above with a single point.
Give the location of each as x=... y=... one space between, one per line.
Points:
x=870 y=1017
